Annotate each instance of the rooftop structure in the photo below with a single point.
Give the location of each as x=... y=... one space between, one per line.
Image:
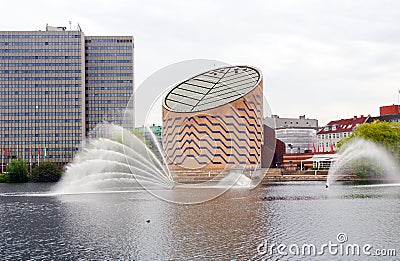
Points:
x=212 y=89
x=300 y=122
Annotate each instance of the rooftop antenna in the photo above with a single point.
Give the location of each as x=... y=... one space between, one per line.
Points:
x=69 y=25
x=79 y=28
x=398 y=97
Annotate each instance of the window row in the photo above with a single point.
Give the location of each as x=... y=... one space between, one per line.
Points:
x=40 y=99
x=39 y=43
x=108 y=61
x=33 y=36
x=34 y=149
x=38 y=135
x=127 y=47
x=109 y=81
x=43 y=85
x=38 y=64
x=110 y=68
x=42 y=114
x=39 y=50
x=96 y=88
x=109 y=74
x=107 y=102
x=108 y=54
x=38 y=71
x=37 y=128
x=37 y=57
x=39 y=92
x=64 y=156
x=40 y=78
x=8 y=107
x=108 y=40
x=328 y=144
x=109 y=95
x=43 y=142
x=39 y=121
x=334 y=135
x=122 y=109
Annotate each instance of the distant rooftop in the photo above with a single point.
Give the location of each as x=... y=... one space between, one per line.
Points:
x=61 y=28
x=343 y=125
x=291 y=123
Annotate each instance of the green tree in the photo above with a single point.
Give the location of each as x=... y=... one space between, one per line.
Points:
x=380 y=132
x=17 y=171
x=148 y=143
x=383 y=133
x=46 y=172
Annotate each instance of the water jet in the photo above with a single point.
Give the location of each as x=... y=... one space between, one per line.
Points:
x=363 y=160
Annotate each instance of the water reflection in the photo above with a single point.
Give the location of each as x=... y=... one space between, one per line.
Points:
x=136 y=225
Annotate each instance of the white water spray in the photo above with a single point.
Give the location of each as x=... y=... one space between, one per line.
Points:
x=369 y=152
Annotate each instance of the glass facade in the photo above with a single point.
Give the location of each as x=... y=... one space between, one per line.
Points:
x=297 y=140
x=41 y=95
x=55 y=86
x=109 y=79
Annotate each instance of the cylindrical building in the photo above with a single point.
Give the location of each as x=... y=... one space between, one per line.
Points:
x=214 y=120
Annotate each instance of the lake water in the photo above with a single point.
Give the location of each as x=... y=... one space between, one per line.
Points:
x=241 y=224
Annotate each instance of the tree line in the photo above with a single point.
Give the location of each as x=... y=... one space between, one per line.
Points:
x=17 y=172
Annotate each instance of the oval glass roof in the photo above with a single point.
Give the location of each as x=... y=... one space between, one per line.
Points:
x=212 y=89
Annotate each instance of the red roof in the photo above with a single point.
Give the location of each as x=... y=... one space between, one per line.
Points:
x=343 y=125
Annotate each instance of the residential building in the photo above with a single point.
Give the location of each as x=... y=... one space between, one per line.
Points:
x=57 y=84
x=334 y=131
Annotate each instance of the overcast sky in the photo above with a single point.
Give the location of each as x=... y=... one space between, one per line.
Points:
x=325 y=59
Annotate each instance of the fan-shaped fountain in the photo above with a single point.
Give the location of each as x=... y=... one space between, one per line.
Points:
x=377 y=163
x=115 y=159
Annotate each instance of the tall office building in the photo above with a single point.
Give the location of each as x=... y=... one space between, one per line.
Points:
x=55 y=86
x=109 y=79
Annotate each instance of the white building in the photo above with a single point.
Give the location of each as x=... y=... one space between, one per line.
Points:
x=298 y=134
x=334 y=131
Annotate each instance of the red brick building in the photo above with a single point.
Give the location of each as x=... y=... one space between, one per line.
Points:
x=389 y=110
